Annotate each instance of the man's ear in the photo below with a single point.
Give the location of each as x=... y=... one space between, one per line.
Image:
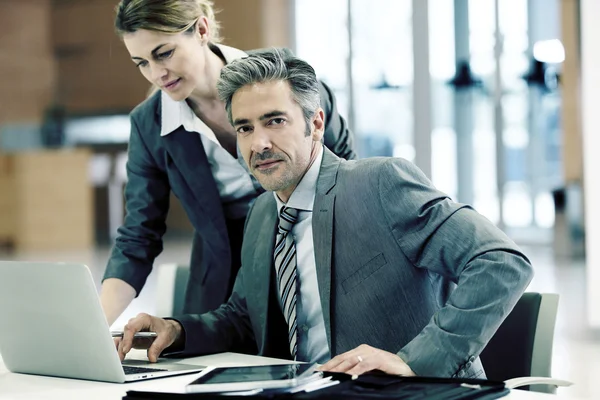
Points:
x=318 y=125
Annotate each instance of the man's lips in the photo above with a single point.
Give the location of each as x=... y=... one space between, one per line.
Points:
x=262 y=165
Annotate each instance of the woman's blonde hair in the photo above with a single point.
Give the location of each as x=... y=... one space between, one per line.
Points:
x=167 y=16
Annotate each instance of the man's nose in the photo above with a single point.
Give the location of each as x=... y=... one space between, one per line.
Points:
x=261 y=141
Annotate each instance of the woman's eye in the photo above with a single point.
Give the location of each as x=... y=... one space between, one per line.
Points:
x=166 y=54
x=142 y=64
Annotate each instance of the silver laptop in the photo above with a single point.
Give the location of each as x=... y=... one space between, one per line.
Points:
x=51 y=323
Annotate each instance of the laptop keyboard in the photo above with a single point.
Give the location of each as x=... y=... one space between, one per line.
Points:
x=139 y=370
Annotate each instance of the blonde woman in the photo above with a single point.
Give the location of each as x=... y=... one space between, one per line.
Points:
x=182 y=141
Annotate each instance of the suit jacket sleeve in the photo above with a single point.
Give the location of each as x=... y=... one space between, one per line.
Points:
x=338 y=137
x=228 y=328
x=147 y=194
x=454 y=241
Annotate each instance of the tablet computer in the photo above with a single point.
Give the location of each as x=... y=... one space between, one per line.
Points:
x=226 y=379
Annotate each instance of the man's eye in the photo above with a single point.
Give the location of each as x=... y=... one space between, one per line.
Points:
x=276 y=121
x=244 y=129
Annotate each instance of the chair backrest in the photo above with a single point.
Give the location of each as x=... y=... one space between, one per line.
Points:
x=172 y=282
x=522 y=346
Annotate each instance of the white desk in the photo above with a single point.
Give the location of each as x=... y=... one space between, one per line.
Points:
x=19 y=386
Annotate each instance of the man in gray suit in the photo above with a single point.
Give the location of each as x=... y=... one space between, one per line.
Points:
x=363 y=261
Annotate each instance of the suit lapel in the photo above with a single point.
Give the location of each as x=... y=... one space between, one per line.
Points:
x=323 y=212
x=188 y=154
x=264 y=242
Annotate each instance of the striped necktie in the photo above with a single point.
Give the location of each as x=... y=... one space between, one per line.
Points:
x=285 y=265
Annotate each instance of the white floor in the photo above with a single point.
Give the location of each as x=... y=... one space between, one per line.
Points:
x=576 y=351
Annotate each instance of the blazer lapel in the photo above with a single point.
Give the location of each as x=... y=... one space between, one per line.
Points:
x=188 y=155
x=323 y=213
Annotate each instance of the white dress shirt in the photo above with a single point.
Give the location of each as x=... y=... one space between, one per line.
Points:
x=231 y=175
x=311 y=337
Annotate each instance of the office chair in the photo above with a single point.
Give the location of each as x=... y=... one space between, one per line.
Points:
x=520 y=352
x=171 y=285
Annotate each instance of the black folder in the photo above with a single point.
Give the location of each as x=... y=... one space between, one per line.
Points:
x=369 y=386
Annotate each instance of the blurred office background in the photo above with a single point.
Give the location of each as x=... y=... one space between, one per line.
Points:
x=487 y=97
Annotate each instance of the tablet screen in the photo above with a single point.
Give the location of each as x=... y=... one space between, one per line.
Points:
x=252 y=374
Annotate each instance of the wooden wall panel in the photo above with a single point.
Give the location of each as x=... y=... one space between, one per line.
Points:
x=102 y=79
x=46 y=200
x=95 y=73
x=54 y=200
x=7 y=201
x=571 y=92
x=251 y=24
x=277 y=24
x=27 y=68
x=240 y=22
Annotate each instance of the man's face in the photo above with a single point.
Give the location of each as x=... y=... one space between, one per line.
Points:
x=272 y=134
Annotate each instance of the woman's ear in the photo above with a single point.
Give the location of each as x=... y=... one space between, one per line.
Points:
x=202 y=29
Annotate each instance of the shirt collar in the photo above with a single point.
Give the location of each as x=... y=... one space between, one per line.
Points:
x=303 y=196
x=178 y=113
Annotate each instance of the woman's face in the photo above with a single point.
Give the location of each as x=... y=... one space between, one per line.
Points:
x=173 y=62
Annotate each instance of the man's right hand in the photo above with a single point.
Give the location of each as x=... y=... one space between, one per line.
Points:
x=168 y=332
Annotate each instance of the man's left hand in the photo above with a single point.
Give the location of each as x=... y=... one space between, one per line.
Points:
x=365 y=358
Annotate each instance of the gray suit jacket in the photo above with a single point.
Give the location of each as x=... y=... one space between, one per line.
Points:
x=400 y=267
x=177 y=162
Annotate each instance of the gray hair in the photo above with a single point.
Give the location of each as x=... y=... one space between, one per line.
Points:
x=272 y=65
